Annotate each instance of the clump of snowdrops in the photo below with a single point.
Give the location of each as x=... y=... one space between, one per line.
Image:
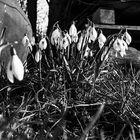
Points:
x=73 y=88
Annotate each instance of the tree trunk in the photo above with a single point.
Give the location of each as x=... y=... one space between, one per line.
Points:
x=32 y=14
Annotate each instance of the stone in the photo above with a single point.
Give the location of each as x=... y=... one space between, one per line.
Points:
x=16 y=25
x=104 y=16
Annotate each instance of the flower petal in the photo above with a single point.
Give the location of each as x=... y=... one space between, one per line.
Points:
x=17 y=68
x=10 y=73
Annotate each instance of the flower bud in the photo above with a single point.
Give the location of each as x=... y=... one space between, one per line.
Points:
x=101 y=39
x=127 y=38
x=17 y=66
x=10 y=73
x=38 y=56
x=43 y=44
x=73 y=33
x=55 y=37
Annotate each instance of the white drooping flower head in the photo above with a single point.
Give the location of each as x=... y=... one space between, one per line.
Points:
x=15 y=67
x=26 y=42
x=33 y=40
x=65 y=41
x=127 y=38
x=92 y=33
x=56 y=36
x=73 y=32
x=43 y=43
x=117 y=44
x=124 y=47
x=38 y=55
x=120 y=46
x=87 y=52
x=101 y=39
x=68 y=37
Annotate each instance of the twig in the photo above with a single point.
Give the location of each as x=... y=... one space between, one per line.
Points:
x=26 y=118
x=53 y=105
x=84 y=105
x=36 y=96
x=4 y=88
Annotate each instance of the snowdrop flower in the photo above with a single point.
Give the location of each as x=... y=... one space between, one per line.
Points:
x=117 y=44
x=120 y=46
x=26 y=42
x=38 y=56
x=56 y=36
x=65 y=41
x=124 y=47
x=15 y=67
x=87 y=51
x=43 y=44
x=92 y=34
x=33 y=40
x=101 y=39
x=127 y=38
x=73 y=32
x=68 y=37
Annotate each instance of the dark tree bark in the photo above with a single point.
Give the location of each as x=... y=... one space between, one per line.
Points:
x=32 y=13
